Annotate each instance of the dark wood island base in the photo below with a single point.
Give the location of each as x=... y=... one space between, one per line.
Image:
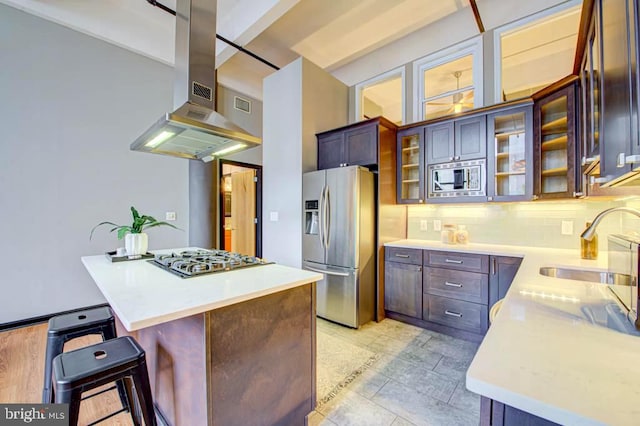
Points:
x=250 y=363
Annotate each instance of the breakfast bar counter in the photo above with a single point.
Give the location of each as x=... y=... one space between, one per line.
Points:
x=234 y=347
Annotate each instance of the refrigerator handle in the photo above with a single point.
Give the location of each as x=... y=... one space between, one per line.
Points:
x=321 y=219
x=339 y=274
x=327 y=204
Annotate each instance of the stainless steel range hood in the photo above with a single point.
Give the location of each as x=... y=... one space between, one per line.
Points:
x=195 y=130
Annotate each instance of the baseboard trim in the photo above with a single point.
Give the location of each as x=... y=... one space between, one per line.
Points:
x=44 y=318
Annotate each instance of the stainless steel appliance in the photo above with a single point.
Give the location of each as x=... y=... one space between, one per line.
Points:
x=189 y=264
x=463 y=178
x=339 y=241
x=623 y=259
x=195 y=130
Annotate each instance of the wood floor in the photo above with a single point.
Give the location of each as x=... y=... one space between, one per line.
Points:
x=22 y=368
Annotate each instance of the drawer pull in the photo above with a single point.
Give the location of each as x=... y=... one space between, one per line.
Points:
x=453 y=314
x=457 y=262
x=405 y=256
x=447 y=283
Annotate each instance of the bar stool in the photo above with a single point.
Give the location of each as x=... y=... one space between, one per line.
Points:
x=87 y=368
x=63 y=328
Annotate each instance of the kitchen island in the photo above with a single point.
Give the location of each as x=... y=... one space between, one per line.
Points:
x=226 y=348
x=542 y=355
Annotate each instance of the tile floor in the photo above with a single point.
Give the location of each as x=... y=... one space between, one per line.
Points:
x=391 y=373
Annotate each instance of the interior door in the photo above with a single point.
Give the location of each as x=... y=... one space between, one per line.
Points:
x=243 y=212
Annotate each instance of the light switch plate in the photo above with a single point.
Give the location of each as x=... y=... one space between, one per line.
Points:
x=567 y=227
x=171 y=216
x=423 y=224
x=437 y=225
x=273 y=216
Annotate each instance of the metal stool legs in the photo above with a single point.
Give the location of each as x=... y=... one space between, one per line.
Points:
x=84 y=369
x=63 y=328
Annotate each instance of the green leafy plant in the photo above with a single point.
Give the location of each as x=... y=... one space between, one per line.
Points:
x=140 y=223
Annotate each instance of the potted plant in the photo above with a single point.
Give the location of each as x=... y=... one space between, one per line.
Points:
x=136 y=242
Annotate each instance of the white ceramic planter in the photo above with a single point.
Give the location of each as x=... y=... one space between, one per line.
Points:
x=136 y=243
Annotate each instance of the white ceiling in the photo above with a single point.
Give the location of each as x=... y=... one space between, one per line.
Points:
x=353 y=39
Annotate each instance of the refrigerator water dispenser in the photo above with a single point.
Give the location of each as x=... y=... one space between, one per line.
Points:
x=311 y=217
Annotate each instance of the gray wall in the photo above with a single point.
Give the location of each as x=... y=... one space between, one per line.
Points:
x=70 y=105
x=300 y=100
x=251 y=122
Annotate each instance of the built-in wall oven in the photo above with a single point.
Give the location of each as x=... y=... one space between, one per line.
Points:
x=460 y=179
x=623 y=259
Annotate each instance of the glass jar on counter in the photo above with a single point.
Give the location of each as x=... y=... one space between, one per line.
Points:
x=448 y=233
x=462 y=235
x=589 y=249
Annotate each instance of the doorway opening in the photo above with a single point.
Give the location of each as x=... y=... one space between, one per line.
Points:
x=240 y=207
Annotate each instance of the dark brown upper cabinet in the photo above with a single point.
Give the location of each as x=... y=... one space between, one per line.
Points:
x=456 y=140
x=590 y=102
x=607 y=63
x=510 y=154
x=554 y=121
x=331 y=149
x=410 y=166
x=353 y=145
x=619 y=149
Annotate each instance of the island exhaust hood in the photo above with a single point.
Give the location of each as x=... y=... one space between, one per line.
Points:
x=195 y=130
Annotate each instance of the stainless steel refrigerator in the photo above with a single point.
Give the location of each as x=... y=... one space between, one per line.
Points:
x=339 y=241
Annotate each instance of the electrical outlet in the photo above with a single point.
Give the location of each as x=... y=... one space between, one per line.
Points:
x=423 y=225
x=567 y=227
x=171 y=216
x=437 y=225
x=273 y=216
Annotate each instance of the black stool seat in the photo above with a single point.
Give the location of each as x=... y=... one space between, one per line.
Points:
x=80 y=322
x=87 y=368
x=63 y=328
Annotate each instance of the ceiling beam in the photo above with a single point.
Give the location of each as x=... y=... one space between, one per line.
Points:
x=476 y=15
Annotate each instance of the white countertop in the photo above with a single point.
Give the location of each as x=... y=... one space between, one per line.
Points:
x=542 y=356
x=142 y=294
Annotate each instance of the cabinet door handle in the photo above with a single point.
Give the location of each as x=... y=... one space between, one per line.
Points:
x=632 y=159
x=457 y=262
x=494 y=266
x=447 y=283
x=453 y=314
x=404 y=256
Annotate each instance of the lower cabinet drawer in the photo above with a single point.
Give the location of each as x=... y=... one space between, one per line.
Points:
x=461 y=261
x=455 y=313
x=461 y=285
x=403 y=255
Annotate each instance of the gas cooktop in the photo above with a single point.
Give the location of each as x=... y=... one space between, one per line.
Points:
x=188 y=264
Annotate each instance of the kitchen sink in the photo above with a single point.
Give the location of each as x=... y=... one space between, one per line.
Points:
x=586 y=275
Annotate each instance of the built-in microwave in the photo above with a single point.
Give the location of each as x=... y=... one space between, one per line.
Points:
x=460 y=179
x=623 y=259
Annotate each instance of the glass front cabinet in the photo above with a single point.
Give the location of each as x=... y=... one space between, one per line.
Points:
x=510 y=154
x=411 y=171
x=554 y=147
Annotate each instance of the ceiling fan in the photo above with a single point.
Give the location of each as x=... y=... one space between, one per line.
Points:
x=461 y=101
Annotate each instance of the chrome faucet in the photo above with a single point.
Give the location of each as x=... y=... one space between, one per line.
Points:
x=591 y=230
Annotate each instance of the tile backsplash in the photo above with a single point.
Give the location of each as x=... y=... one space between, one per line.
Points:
x=536 y=224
